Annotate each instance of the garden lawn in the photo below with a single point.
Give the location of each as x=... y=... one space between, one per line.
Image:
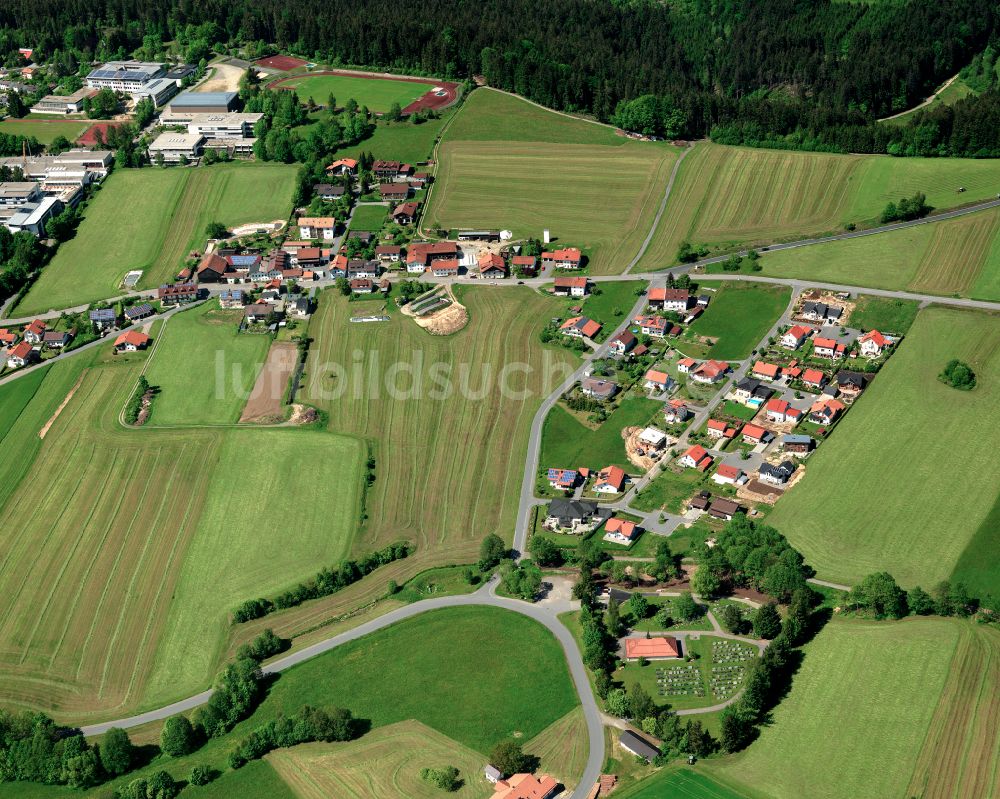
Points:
x=568 y=444
x=669 y=489
x=954 y=257
x=911 y=703
x=610 y=303
x=538 y=170
x=307 y=530
x=739 y=316
x=204 y=367
x=886 y=314
x=905 y=472
x=150 y=219
x=730 y=196
x=45 y=130
x=378 y=95
x=369 y=217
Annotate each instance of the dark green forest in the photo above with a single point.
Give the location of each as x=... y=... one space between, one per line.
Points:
x=808 y=74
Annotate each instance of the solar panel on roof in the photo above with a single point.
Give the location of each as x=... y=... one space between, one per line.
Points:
x=243 y=260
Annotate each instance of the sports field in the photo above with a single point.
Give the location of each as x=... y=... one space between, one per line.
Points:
x=204 y=367
x=906 y=474
x=45 y=130
x=679 y=783
x=959 y=257
x=112 y=548
x=894 y=709
x=739 y=316
x=150 y=219
x=378 y=95
x=727 y=196
x=508 y=164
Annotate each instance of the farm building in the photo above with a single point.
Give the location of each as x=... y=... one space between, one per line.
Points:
x=638 y=746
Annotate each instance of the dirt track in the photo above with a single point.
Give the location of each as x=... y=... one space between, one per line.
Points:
x=63 y=404
x=266 y=401
x=225 y=78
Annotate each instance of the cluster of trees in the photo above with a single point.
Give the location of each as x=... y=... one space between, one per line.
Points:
x=310 y=724
x=135 y=401
x=327 y=581
x=159 y=785
x=21 y=255
x=750 y=554
x=15 y=143
x=958 y=374
x=102 y=105
x=522 y=580
x=906 y=209
x=880 y=596
x=445 y=777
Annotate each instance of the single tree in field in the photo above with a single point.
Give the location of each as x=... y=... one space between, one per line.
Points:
x=178 y=737
x=638 y=606
x=491 y=551
x=116 y=752
x=510 y=758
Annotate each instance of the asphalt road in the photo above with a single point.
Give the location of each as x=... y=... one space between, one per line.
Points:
x=484 y=596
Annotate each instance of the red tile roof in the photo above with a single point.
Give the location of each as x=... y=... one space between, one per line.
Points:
x=133 y=337
x=622 y=526
x=664 y=294
x=754 y=432
x=657 y=377
x=814 y=376
x=566 y=281
x=613 y=476
x=731 y=472
x=766 y=369
x=652 y=648
x=875 y=337
x=20 y=350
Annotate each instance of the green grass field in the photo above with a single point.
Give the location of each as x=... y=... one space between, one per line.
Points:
x=883 y=313
x=681 y=783
x=956 y=257
x=204 y=368
x=508 y=164
x=910 y=704
x=904 y=474
x=401 y=141
x=14 y=398
x=569 y=444
x=729 y=196
x=669 y=489
x=610 y=303
x=150 y=219
x=738 y=316
x=45 y=130
x=378 y=95
x=369 y=217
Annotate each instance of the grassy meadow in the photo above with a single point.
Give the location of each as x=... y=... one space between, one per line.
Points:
x=731 y=196
x=45 y=130
x=506 y=163
x=738 y=317
x=682 y=783
x=887 y=314
x=913 y=706
x=956 y=257
x=906 y=475
x=378 y=95
x=369 y=217
x=150 y=219
x=204 y=367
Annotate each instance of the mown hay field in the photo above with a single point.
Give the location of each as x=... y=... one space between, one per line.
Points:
x=203 y=367
x=729 y=196
x=914 y=706
x=109 y=534
x=959 y=257
x=682 y=783
x=904 y=485
x=587 y=186
x=150 y=219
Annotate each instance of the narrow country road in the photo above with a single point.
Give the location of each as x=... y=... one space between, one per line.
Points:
x=484 y=596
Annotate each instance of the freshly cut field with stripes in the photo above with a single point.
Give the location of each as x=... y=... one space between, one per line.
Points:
x=955 y=257
x=124 y=550
x=589 y=187
x=386 y=762
x=908 y=456
x=728 y=196
x=150 y=219
x=914 y=705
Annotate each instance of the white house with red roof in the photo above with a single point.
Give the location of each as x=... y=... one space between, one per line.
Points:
x=566 y=258
x=610 y=480
x=567 y=286
x=780 y=411
x=814 y=378
x=716 y=428
x=344 y=166
x=754 y=434
x=131 y=340
x=729 y=475
x=766 y=371
x=622 y=343
x=710 y=372
x=580 y=327
x=620 y=531
x=21 y=355
x=824 y=411
x=491 y=265
x=795 y=336
x=654 y=326
x=525 y=786
x=669 y=299
x=696 y=457
x=34 y=331
x=657 y=381
x=873 y=343
x=685 y=365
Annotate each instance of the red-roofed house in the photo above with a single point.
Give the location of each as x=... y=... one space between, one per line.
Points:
x=765 y=371
x=345 y=166
x=525 y=786
x=580 y=327
x=131 y=340
x=21 y=355
x=651 y=648
x=728 y=475
x=716 y=428
x=491 y=265
x=753 y=434
x=872 y=343
x=710 y=372
x=828 y=348
x=525 y=263
x=445 y=267
x=676 y=411
x=7 y=337
x=610 y=480
x=622 y=343
x=696 y=457
x=620 y=531
x=814 y=378
x=685 y=365
x=825 y=411
x=317 y=227
x=568 y=286
x=566 y=258
x=657 y=381
x=669 y=299
x=654 y=326
x=34 y=331
x=405 y=213
x=780 y=411
x=793 y=338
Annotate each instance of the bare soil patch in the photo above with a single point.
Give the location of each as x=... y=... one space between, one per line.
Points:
x=225 y=78
x=633 y=448
x=449 y=319
x=266 y=402
x=63 y=404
